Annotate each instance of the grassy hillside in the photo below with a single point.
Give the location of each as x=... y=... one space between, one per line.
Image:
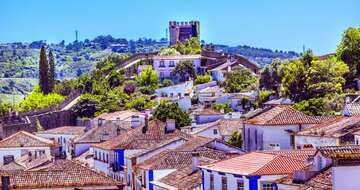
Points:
x=19 y=86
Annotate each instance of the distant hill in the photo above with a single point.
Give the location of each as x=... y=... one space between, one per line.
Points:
x=261 y=56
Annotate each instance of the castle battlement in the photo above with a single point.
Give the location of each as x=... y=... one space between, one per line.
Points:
x=183 y=30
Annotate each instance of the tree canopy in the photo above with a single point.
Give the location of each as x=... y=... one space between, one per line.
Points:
x=172 y=111
x=185 y=69
x=168 y=51
x=191 y=46
x=239 y=79
x=226 y=107
x=148 y=81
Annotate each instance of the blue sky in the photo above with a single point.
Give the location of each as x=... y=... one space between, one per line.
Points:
x=274 y=24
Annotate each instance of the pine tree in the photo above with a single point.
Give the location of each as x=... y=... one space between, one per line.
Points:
x=43 y=71
x=51 y=74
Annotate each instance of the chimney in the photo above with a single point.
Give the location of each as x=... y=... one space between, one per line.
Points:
x=118 y=121
x=135 y=121
x=147 y=112
x=144 y=129
x=5 y=182
x=30 y=156
x=170 y=125
x=195 y=161
x=193 y=125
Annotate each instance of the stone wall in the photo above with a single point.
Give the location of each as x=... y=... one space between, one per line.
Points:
x=13 y=123
x=54 y=119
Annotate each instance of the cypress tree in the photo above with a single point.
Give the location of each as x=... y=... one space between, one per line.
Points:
x=51 y=76
x=43 y=71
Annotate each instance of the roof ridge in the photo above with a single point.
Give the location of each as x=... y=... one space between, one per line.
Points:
x=274 y=160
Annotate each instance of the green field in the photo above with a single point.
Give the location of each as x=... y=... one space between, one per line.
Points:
x=19 y=86
x=11 y=99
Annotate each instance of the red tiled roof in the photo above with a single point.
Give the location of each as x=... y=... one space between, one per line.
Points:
x=227 y=127
x=68 y=130
x=349 y=151
x=296 y=154
x=75 y=176
x=333 y=128
x=353 y=109
x=279 y=101
x=123 y=115
x=25 y=139
x=256 y=163
x=281 y=115
x=207 y=111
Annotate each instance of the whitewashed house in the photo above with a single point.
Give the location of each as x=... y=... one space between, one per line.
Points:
x=220 y=129
x=207 y=115
x=333 y=167
x=62 y=135
x=24 y=143
x=181 y=90
x=252 y=171
x=164 y=65
x=335 y=132
x=99 y=134
x=119 y=116
x=274 y=128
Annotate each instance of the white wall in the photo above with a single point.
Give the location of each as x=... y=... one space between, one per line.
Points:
x=208 y=118
x=210 y=133
x=182 y=88
x=315 y=141
x=102 y=163
x=346 y=177
x=184 y=103
x=167 y=69
x=61 y=139
x=80 y=148
x=16 y=152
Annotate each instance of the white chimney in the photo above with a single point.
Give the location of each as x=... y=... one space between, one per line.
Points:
x=170 y=125
x=147 y=112
x=135 y=121
x=193 y=125
x=118 y=121
x=195 y=161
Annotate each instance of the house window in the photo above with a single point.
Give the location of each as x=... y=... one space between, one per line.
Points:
x=162 y=74
x=162 y=64
x=256 y=137
x=104 y=157
x=215 y=132
x=64 y=140
x=172 y=64
x=292 y=140
x=171 y=94
x=240 y=184
x=107 y=158
x=99 y=155
x=144 y=182
x=211 y=181
x=223 y=183
x=95 y=155
x=248 y=138
x=59 y=141
x=320 y=162
x=179 y=94
x=267 y=186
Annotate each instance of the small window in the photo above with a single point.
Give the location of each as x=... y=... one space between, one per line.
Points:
x=223 y=183
x=268 y=186
x=256 y=140
x=59 y=140
x=107 y=158
x=162 y=64
x=211 y=181
x=99 y=156
x=179 y=94
x=64 y=140
x=104 y=157
x=144 y=181
x=240 y=184
x=95 y=155
x=162 y=74
x=172 y=64
x=215 y=132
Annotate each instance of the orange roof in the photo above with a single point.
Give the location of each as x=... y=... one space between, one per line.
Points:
x=255 y=163
x=25 y=139
x=69 y=130
x=297 y=154
x=282 y=115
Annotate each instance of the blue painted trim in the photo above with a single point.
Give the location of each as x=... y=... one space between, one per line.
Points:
x=275 y=185
x=253 y=182
x=209 y=171
x=202 y=180
x=238 y=176
x=151 y=178
x=221 y=173
x=120 y=159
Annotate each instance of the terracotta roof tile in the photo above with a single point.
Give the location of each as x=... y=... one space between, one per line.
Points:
x=77 y=176
x=296 y=154
x=68 y=130
x=333 y=128
x=96 y=134
x=123 y=115
x=256 y=163
x=25 y=139
x=349 y=151
x=207 y=111
x=227 y=127
x=282 y=115
x=353 y=109
x=279 y=101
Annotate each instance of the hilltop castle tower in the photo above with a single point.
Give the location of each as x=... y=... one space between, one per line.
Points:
x=183 y=30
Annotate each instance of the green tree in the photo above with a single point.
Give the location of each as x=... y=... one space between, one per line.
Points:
x=263 y=96
x=87 y=106
x=43 y=71
x=51 y=74
x=226 y=107
x=266 y=80
x=191 y=46
x=166 y=82
x=185 y=69
x=168 y=51
x=312 y=107
x=4 y=108
x=148 y=81
x=115 y=79
x=349 y=52
x=239 y=79
x=172 y=111
x=236 y=139
x=202 y=79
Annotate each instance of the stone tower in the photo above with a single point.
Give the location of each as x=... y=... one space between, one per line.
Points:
x=183 y=30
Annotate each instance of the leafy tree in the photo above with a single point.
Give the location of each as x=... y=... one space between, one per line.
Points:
x=51 y=74
x=312 y=78
x=226 y=107
x=312 y=107
x=87 y=106
x=4 y=108
x=166 y=82
x=172 y=111
x=85 y=83
x=239 y=79
x=185 y=69
x=168 y=51
x=148 y=81
x=115 y=79
x=236 y=139
x=65 y=87
x=349 y=52
x=263 y=96
x=43 y=71
x=191 y=46
x=202 y=79
x=270 y=76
